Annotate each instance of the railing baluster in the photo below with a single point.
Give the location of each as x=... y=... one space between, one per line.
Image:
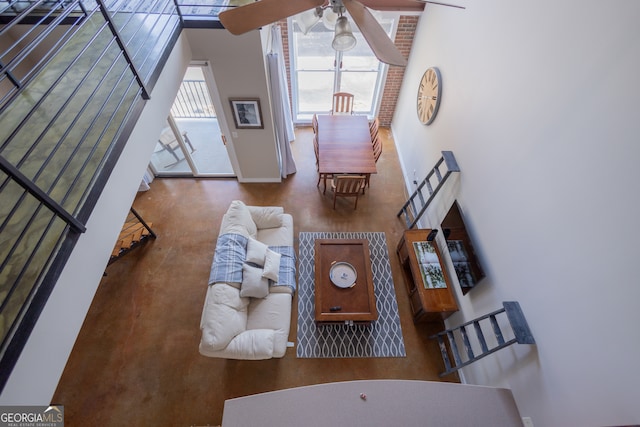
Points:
x=85 y=136
x=192 y=95
x=43 y=197
x=123 y=47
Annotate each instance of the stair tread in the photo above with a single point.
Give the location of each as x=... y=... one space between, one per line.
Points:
x=133 y=233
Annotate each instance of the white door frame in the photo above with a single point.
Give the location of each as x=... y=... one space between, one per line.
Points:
x=222 y=122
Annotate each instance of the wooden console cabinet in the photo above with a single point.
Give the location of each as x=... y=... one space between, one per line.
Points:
x=428 y=303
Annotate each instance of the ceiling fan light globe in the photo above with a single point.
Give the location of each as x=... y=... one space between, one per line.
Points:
x=329 y=19
x=344 y=39
x=343 y=42
x=307 y=20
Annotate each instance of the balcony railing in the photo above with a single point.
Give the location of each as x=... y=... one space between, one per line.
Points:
x=73 y=79
x=193 y=101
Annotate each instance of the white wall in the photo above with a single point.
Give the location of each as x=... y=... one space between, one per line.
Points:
x=37 y=372
x=238 y=66
x=539 y=106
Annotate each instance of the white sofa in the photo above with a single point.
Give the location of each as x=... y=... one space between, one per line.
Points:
x=236 y=326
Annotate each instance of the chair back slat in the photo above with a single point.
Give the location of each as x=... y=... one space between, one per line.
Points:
x=348 y=186
x=342 y=103
x=373 y=128
x=377 y=148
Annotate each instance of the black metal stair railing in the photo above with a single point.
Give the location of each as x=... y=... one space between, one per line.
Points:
x=73 y=75
x=417 y=204
x=448 y=340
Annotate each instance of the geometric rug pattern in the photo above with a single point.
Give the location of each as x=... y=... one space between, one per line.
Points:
x=382 y=338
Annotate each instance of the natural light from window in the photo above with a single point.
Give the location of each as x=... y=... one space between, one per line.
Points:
x=317 y=71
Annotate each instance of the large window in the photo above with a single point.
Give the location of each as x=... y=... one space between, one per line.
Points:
x=317 y=71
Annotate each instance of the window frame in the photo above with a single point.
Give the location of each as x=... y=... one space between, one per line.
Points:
x=337 y=71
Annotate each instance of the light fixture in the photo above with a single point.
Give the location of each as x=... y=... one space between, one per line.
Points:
x=344 y=39
x=329 y=18
x=308 y=19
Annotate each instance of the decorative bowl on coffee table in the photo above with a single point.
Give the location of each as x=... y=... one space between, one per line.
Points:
x=343 y=275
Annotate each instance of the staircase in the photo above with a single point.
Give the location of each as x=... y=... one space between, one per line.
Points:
x=134 y=233
x=426 y=191
x=450 y=338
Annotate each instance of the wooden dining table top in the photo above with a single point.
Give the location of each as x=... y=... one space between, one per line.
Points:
x=344 y=145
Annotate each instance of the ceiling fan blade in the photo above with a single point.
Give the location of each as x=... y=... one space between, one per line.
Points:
x=394 y=5
x=255 y=15
x=374 y=34
x=403 y=5
x=441 y=4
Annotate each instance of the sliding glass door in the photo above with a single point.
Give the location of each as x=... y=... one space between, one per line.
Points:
x=317 y=71
x=191 y=143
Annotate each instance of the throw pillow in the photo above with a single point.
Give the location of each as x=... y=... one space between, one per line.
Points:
x=266 y=216
x=253 y=284
x=239 y=217
x=271 y=265
x=256 y=252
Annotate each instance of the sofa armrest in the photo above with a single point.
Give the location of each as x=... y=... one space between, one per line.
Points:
x=224 y=316
x=254 y=344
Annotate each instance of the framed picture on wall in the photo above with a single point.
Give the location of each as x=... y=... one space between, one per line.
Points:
x=246 y=113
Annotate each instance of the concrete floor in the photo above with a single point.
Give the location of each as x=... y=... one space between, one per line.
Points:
x=136 y=359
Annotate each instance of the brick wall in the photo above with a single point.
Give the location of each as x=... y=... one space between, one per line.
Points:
x=404 y=39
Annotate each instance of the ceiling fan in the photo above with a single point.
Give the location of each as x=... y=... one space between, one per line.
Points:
x=252 y=16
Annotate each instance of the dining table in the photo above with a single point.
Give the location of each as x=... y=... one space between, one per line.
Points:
x=344 y=146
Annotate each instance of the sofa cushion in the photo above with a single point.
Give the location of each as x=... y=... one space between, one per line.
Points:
x=254 y=344
x=266 y=216
x=224 y=316
x=281 y=236
x=253 y=284
x=238 y=220
x=271 y=265
x=273 y=313
x=256 y=252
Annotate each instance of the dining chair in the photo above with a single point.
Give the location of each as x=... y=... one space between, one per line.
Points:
x=347 y=186
x=342 y=103
x=377 y=148
x=315 y=148
x=320 y=175
x=373 y=128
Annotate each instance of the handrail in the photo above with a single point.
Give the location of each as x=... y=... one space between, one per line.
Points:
x=43 y=197
x=410 y=205
x=123 y=47
x=62 y=129
x=18 y=60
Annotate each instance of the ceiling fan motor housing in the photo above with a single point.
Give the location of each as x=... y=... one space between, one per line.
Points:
x=337 y=6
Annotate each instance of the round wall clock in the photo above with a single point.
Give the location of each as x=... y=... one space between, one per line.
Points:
x=429 y=94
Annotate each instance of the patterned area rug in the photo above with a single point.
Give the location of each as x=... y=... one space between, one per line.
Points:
x=382 y=338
